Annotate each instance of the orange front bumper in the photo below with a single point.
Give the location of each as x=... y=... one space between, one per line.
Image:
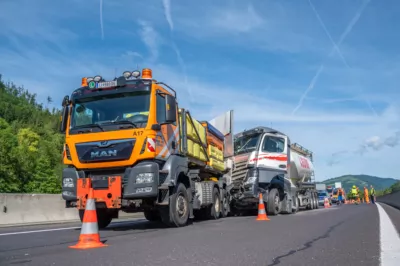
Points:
x=110 y=196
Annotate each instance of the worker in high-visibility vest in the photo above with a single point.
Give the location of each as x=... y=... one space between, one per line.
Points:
x=354 y=192
x=359 y=195
x=366 y=195
x=372 y=194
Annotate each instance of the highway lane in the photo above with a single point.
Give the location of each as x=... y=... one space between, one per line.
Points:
x=345 y=235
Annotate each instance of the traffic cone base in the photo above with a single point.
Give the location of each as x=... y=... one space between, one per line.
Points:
x=89 y=241
x=262 y=215
x=89 y=236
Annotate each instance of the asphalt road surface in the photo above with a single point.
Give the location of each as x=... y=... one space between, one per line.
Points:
x=346 y=235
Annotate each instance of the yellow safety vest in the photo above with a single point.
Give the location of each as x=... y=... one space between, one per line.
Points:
x=354 y=191
x=372 y=192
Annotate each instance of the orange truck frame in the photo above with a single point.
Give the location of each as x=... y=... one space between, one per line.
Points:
x=128 y=140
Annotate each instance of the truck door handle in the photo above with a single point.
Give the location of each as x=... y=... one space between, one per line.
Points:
x=282 y=166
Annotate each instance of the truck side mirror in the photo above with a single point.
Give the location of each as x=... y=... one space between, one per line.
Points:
x=170 y=106
x=64 y=119
x=65 y=101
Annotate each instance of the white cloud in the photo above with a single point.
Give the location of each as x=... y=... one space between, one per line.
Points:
x=237 y=20
x=150 y=38
x=267 y=25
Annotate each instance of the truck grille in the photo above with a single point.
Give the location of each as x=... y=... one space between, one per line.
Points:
x=240 y=172
x=103 y=151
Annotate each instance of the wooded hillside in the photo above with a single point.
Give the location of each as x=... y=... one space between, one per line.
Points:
x=30 y=145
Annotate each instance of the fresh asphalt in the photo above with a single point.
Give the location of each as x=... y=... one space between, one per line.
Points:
x=344 y=235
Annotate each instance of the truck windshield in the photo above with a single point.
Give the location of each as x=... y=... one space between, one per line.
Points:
x=123 y=108
x=246 y=144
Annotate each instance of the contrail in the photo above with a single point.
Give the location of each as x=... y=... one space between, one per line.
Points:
x=168 y=17
x=336 y=47
x=309 y=88
x=328 y=34
x=183 y=66
x=101 y=19
x=167 y=12
x=341 y=39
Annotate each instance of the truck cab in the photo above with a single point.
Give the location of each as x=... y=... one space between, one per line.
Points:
x=262 y=156
x=118 y=135
x=267 y=163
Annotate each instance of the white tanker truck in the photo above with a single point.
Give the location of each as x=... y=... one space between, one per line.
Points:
x=265 y=161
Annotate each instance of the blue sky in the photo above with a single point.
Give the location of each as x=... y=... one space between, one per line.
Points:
x=324 y=72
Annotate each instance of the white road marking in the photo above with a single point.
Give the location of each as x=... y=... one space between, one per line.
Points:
x=67 y=228
x=39 y=231
x=389 y=238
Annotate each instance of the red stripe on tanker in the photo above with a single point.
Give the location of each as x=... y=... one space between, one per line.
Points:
x=300 y=167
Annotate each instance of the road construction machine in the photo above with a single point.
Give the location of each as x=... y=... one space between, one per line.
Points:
x=266 y=162
x=128 y=140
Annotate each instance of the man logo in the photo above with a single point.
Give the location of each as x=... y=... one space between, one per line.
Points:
x=101 y=154
x=103 y=144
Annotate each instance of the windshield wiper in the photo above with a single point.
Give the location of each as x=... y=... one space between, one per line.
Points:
x=89 y=125
x=121 y=122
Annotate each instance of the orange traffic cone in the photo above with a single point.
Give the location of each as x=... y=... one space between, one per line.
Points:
x=262 y=215
x=326 y=203
x=89 y=236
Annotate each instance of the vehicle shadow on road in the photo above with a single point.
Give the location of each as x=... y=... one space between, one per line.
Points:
x=144 y=224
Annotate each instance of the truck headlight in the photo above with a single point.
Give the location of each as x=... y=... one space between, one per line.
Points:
x=68 y=182
x=250 y=180
x=145 y=178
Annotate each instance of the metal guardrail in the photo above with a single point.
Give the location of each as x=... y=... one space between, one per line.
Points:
x=392 y=199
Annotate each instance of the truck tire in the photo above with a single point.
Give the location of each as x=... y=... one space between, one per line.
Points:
x=152 y=215
x=103 y=217
x=316 y=203
x=311 y=202
x=273 y=202
x=216 y=206
x=179 y=206
x=225 y=204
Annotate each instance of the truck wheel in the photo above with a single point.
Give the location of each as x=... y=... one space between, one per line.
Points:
x=225 y=204
x=316 y=203
x=273 y=202
x=103 y=218
x=180 y=206
x=152 y=215
x=312 y=202
x=216 y=206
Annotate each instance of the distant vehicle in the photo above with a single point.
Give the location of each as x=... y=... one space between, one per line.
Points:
x=335 y=195
x=329 y=189
x=320 y=187
x=322 y=194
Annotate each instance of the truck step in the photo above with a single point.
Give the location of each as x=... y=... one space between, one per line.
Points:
x=164 y=171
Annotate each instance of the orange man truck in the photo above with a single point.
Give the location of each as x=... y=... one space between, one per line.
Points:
x=128 y=140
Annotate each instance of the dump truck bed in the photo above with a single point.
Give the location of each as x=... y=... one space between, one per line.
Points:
x=201 y=142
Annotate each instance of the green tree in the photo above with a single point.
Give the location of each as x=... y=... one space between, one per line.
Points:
x=30 y=145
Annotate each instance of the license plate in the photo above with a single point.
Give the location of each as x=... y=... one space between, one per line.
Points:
x=107 y=84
